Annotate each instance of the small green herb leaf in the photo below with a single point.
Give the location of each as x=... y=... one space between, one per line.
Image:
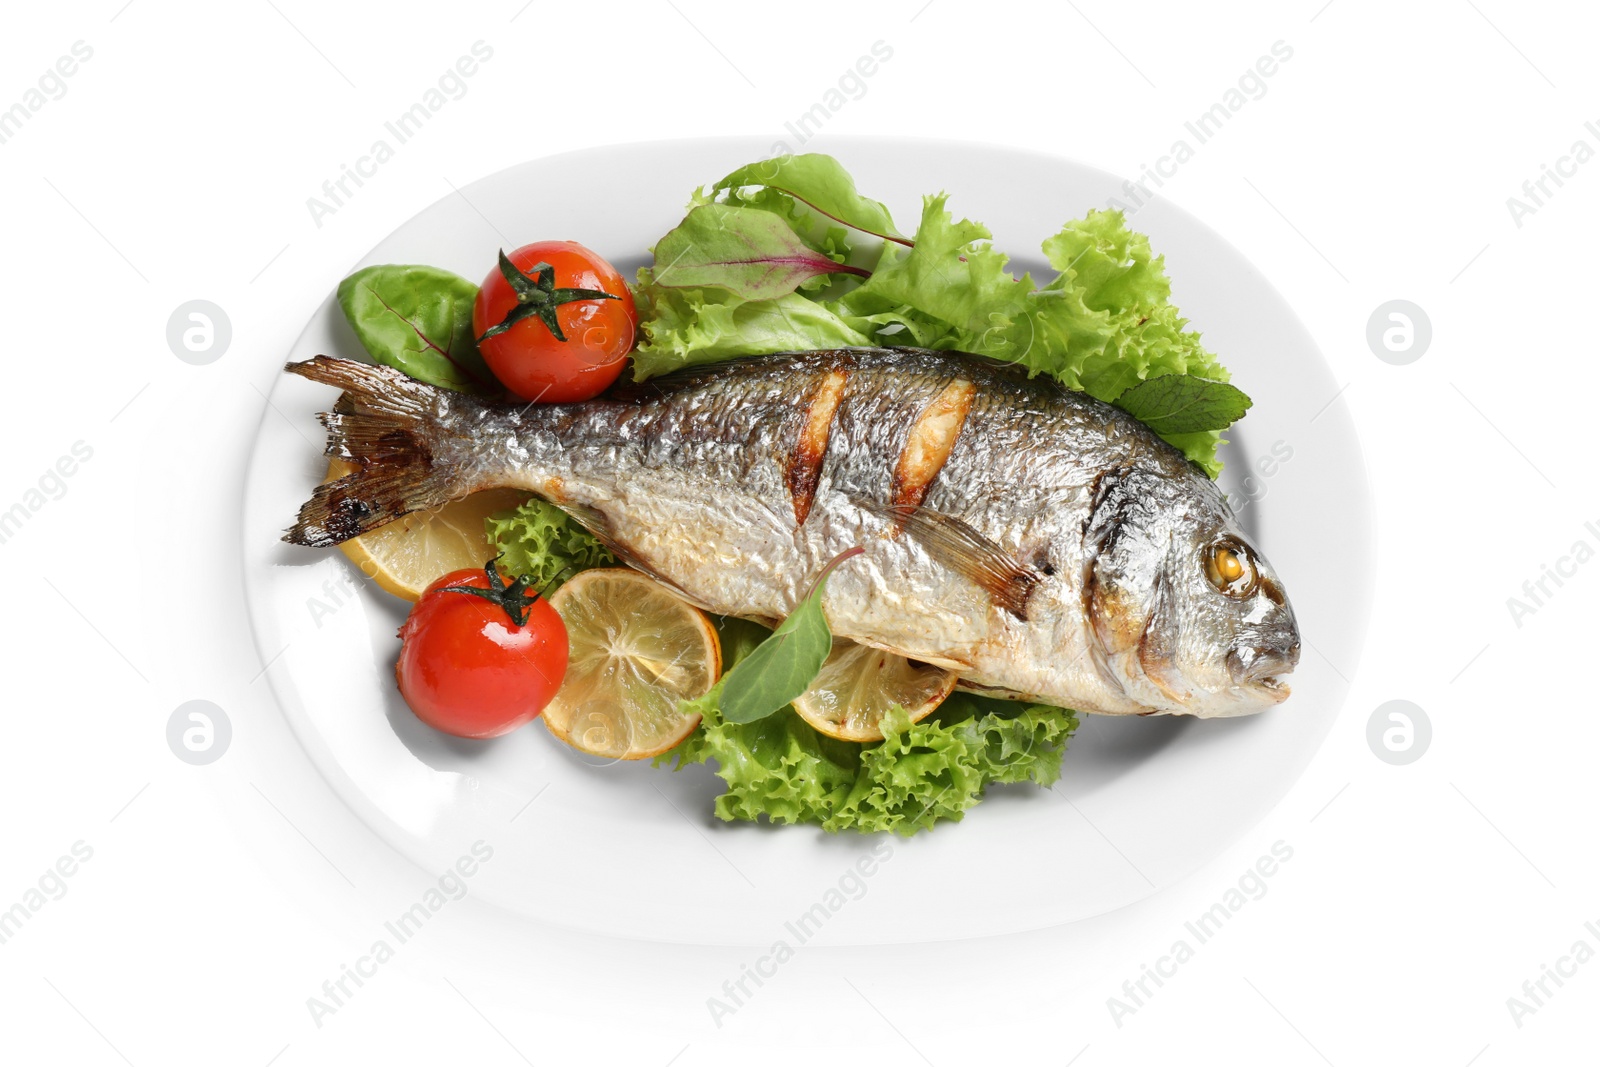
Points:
x=418 y=320
x=822 y=183
x=751 y=253
x=784 y=665
x=1183 y=403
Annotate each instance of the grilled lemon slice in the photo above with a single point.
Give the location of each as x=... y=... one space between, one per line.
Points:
x=858 y=685
x=635 y=650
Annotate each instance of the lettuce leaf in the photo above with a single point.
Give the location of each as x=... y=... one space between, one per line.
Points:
x=952 y=274
x=685 y=327
x=1102 y=324
x=780 y=769
x=543 y=542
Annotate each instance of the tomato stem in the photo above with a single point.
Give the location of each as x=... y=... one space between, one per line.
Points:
x=538 y=297
x=515 y=598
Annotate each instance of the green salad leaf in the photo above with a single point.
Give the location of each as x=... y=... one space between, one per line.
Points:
x=539 y=541
x=754 y=254
x=685 y=327
x=780 y=769
x=814 y=228
x=822 y=183
x=784 y=665
x=1102 y=324
x=418 y=320
x=1183 y=403
x=951 y=274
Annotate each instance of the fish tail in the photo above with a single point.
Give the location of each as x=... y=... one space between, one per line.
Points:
x=394 y=428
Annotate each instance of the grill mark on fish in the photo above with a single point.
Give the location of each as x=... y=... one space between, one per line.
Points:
x=803 y=468
x=929 y=442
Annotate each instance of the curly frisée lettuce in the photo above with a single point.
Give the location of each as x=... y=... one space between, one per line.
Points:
x=539 y=541
x=920 y=773
x=1102 y=324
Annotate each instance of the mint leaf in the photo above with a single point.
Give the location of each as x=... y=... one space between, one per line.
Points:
x=821 y=183
x=751 y=253
x=1183 y=403
x=785 y=664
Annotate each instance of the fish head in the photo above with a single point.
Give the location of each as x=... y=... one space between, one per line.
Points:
x=1188 y=617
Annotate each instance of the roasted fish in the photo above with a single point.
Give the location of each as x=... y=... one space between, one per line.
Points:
x=1041 y=543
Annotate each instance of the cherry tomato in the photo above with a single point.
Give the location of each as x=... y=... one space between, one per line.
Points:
x=480 y=657
x=528 y=355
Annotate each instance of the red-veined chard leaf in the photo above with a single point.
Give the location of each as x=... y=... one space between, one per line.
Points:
x=751 y=253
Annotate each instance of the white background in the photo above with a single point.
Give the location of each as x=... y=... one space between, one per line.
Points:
x=1376 y=166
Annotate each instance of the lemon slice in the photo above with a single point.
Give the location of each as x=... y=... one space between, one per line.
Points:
x=405 y=556
x=634 y=650
x=858 y=685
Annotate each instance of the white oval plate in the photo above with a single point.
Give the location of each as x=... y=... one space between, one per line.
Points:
x=634 y=851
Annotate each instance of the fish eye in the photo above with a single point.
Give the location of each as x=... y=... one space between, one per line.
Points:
x=1230 y=569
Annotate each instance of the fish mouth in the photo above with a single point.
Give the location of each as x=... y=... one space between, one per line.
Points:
x=1260 y=671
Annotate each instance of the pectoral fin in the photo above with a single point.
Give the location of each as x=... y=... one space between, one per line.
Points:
x=599 y=524
x=956 y=545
